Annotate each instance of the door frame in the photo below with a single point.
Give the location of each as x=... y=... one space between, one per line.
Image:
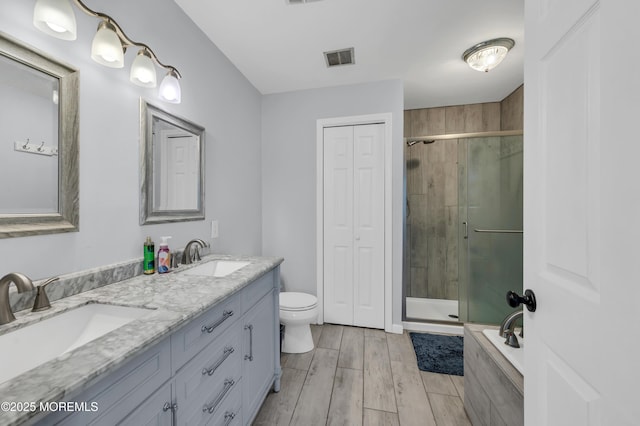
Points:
x=386 y=120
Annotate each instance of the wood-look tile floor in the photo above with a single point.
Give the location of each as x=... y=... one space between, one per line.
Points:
x=359 y=376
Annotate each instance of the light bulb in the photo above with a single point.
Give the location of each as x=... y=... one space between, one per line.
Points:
x=106 y=48
x=56 y=18
x=170 y=88
x=143 y=71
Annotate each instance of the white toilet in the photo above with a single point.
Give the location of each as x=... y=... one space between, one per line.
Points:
x=297 y=312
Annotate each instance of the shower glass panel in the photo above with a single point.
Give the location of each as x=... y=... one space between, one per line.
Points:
x=490 y=242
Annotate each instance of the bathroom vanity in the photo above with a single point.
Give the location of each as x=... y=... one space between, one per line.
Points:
x=206 y=353
x=493 y=387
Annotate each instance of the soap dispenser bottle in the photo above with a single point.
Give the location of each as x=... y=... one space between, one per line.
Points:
x=164 y=256
x=149 y=257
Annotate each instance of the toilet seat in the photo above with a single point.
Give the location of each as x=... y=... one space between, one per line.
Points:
x=293 y=301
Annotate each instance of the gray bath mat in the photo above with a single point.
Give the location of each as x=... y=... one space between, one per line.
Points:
x=439 y=354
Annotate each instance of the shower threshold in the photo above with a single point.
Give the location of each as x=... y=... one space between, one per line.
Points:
x=432 y=309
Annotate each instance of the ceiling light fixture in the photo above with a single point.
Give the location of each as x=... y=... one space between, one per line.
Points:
x=487 y=55
x=56 y=18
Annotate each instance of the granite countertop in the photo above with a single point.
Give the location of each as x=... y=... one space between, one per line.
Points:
x=173 y=299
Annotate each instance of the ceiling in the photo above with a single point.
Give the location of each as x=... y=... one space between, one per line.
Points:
x=279 y=47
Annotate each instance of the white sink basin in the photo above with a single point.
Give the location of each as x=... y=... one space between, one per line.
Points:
x=35 y=344
x=217 y=268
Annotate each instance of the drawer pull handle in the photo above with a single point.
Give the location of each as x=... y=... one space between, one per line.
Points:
x=250 y=328
x=228 y=418
x=228 y=384
x=225 y=315
x=227 y=351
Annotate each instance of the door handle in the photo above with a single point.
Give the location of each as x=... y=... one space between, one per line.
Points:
x=529 y=300
x=173 y=407
x=250 y=328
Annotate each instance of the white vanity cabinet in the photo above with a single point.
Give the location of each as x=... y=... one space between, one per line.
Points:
x=215 y=370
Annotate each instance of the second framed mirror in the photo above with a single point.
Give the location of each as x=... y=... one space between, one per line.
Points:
x=171 y=167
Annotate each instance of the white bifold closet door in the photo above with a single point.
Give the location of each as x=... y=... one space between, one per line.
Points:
x=354 y=225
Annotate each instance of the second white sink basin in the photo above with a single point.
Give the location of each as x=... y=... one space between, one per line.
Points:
x=217 y=268
x=35 y=344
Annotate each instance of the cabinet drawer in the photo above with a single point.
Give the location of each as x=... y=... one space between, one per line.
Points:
x=230 y=411
x=200 y=332
x=224 y=398
x=205 y=373
x=256 y=290
x=124 y=390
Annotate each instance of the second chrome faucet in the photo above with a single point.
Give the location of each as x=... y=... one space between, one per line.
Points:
x=192 y=254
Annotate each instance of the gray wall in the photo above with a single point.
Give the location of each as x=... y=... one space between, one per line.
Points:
x=20 y=191
x=289 y=173
x=214 y=94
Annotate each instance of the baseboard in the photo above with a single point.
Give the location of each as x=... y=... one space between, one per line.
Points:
x=396 y=329
x=457 y=330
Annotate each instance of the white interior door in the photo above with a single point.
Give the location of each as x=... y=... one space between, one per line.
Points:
x=179 y=174
x=354 y=225
x=581 y=209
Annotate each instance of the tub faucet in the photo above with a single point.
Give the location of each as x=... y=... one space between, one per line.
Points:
x=509 y=323
x=187 y=257
x=22 y=282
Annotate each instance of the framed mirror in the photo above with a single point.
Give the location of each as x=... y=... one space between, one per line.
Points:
x=171 y=167
x=39 y=142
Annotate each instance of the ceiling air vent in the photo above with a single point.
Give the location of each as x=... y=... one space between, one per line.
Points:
x=339 y=57
x=300 y=1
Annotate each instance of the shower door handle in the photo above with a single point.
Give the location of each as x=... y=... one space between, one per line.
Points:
x=466 y=230
x=499 y=231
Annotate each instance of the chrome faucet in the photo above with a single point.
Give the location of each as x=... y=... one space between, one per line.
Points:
x=187 y=256
x=509 y=323
x=507 y=328
x=22 y=282
x=42 y=300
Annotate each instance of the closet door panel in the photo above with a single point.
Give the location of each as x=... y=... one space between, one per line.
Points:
x=368 y=164
x=338 y=225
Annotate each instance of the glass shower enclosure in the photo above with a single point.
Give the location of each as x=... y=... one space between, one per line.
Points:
x=463 y=233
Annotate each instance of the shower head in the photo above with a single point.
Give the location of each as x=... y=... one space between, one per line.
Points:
x=426 y=142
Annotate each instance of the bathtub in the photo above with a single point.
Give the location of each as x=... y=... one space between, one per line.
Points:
x=514 y=355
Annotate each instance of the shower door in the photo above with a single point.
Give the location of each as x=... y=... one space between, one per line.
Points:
x=490 y=237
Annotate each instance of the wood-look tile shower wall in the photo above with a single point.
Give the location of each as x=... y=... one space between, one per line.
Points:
x=432 y=188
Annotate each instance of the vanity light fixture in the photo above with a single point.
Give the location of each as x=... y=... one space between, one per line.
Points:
x=487 y=55
x=143 y=72
x=106 y=48
x=170 y=88
x=56 y=18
